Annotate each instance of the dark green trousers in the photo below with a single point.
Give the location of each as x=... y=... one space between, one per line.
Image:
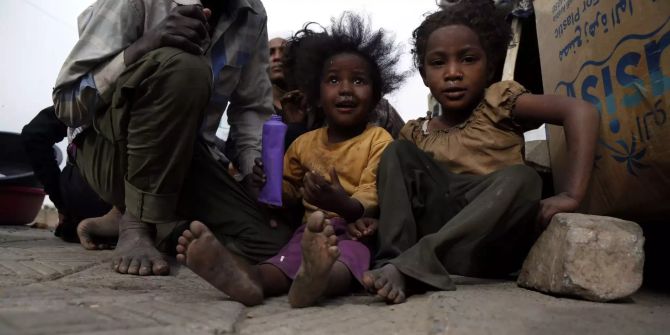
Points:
x=144 y=154
x=434 y=222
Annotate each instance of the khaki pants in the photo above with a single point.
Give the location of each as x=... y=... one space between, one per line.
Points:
x=144 y=154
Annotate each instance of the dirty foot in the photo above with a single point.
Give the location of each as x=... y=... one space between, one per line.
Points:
x=101 y=232
x=319 y=253
x=388 y=282
x=135 y=252
x=199 y=249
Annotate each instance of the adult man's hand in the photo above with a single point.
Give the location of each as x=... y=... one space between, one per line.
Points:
x=185 y=28
x=294 y=105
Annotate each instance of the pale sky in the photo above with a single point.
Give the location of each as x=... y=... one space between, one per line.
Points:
x=37 y=35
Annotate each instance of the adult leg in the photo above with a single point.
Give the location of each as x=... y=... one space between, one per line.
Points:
x=81 y=202
x=203 y=253
x=211 y=195
x=100 y=232
x=232 y=233
x=141 y=149
x=319 y=274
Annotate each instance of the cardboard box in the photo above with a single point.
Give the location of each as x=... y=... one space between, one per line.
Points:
x=616 y=55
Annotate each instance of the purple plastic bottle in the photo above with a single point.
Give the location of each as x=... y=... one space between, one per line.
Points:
x=272 y=155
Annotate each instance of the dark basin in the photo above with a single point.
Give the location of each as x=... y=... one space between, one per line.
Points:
x=21 y=194
x=15 y=168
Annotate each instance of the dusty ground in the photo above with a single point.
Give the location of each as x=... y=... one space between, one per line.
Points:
x=51 y=287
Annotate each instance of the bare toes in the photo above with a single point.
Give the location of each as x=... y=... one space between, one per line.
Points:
x=369 y=280
x=134 y=267
x=183 y=241
x=334 y=251
x=197 y=228
x=392 y=294
x=87 y=244
x=315 y=221
x=187 y=235
x=332 y=240
x=400 y=298
x=381 y=282
x=160 y=267
x=122 y=267
x=385 y=290
x=328 y=230
x=84 y=238
x=145 y=268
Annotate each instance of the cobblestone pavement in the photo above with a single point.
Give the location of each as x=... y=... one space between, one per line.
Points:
x=51 y=287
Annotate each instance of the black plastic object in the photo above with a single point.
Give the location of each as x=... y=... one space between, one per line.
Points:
x=15 y=169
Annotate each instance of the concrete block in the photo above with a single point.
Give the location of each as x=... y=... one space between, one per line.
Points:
x=597 y=258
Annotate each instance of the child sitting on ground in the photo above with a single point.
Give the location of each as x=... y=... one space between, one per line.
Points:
x=333 y=169
x=454 y=195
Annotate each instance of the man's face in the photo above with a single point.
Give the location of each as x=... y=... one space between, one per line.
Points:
x=276 y=68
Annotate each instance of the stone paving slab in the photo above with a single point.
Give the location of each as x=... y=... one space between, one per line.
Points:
x=51 y=287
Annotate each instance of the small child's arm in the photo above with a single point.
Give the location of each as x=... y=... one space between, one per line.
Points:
x=331 y=196
x=580 y=122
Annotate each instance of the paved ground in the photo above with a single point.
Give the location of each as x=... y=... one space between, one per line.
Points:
x=51 y=287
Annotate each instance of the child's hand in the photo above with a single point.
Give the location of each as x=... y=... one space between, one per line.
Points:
x=362 y=228
x=560 y=203
x=331 y=196
x=323 y=194
x=294 y=106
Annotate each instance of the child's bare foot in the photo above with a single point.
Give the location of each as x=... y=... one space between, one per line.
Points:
x=199 y=249
x=319 y=253
x=388 y=282
x=135 y=251
x=99 y=233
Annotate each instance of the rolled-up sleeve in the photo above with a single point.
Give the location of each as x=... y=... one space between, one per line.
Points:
x=251 y=105
x=87 y=77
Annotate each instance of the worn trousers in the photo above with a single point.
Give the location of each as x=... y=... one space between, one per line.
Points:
x=434 y=223
x=144 y=154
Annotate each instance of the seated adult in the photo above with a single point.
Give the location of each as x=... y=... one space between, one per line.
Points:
x=71 y=195
x=150 y=80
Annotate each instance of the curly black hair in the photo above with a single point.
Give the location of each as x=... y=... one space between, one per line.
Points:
x=479 y=15
x=308 y=50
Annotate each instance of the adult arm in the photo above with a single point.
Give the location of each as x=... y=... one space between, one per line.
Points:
x=96 y=61
x=251 y=105
x=112 y=37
